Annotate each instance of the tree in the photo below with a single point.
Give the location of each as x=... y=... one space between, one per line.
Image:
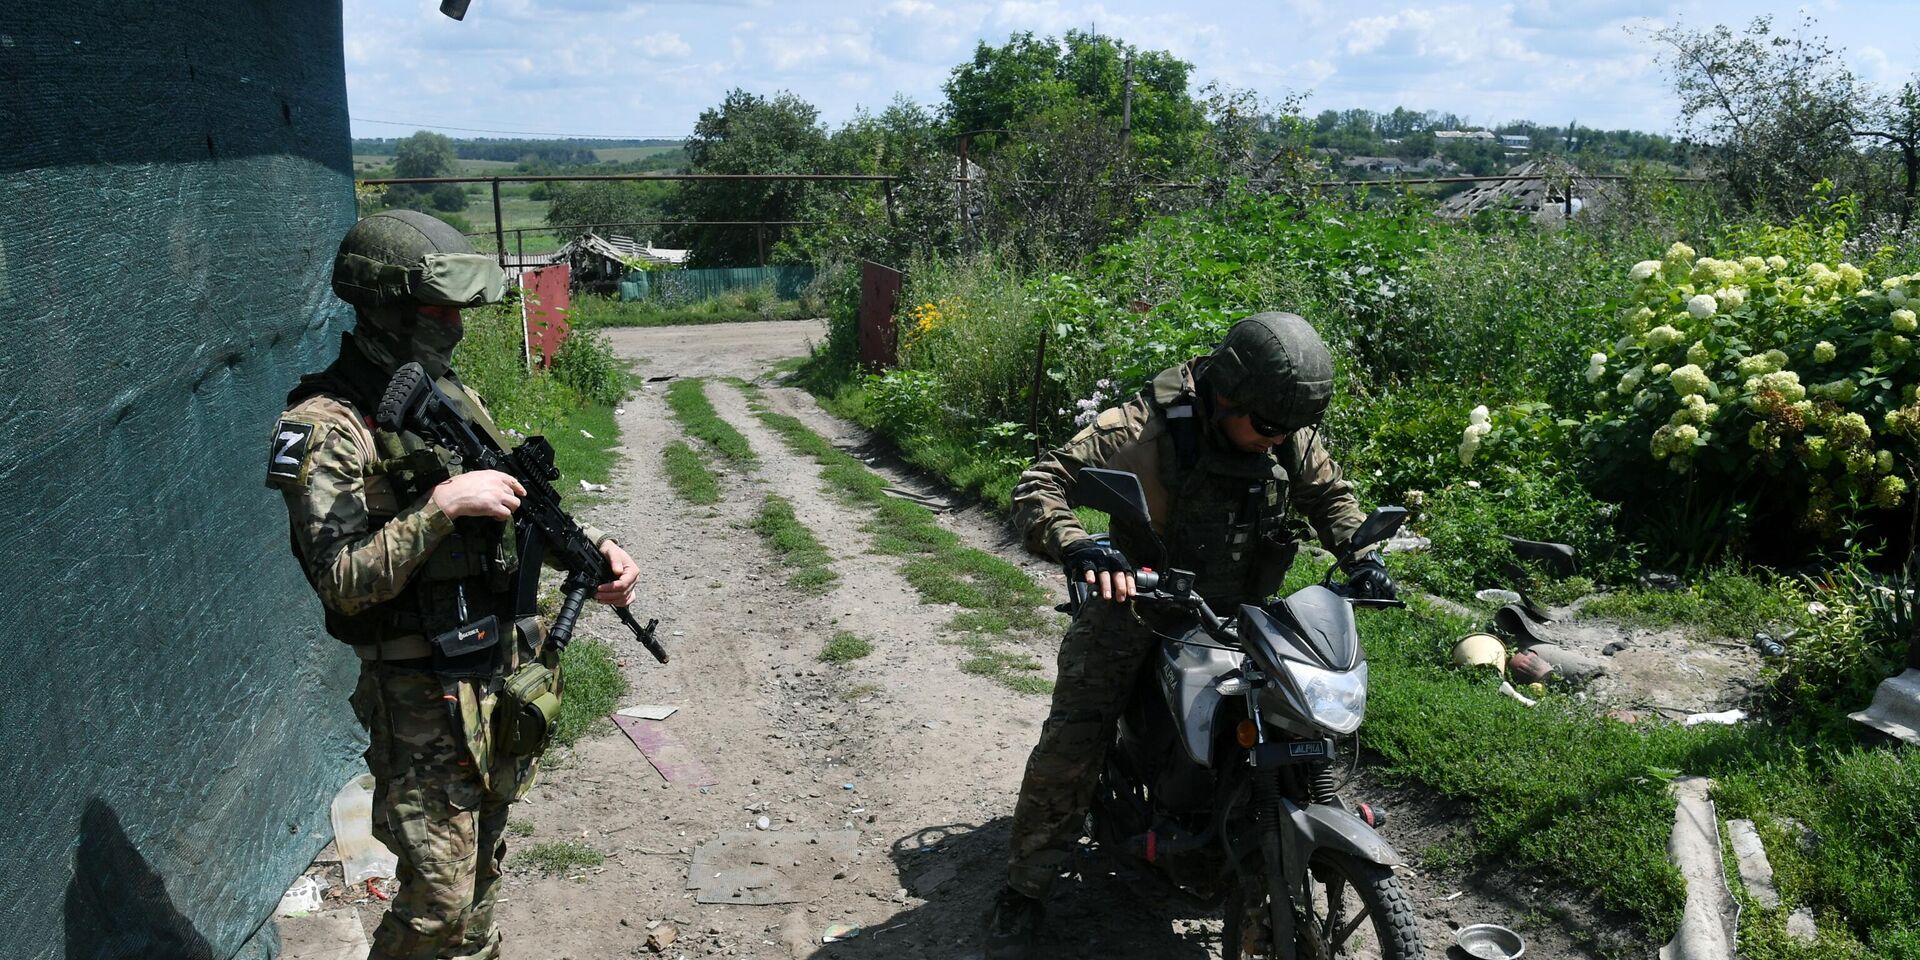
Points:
x=1781 y=113
x=1084 y=73
x=449 y=198
x=608 y=206
x=425 y=154
x=748 y=133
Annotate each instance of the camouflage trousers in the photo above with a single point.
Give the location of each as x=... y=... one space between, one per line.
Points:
x=1100 y=657
x=442 y=814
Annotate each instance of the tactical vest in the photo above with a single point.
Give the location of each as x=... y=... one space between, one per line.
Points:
x=470 y=573
x=1229 y=520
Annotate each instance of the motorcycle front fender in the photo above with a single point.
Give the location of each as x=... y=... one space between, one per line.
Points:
x=1321 y=826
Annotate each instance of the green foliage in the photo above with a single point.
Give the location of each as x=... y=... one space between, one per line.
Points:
x=608 y=207
x=748 y=133
x=795 y=545
x=425 y=154
x=586 y=364
x=1466 y=522
x=736 y=306
x=846 y=647
x=1766 y=386
x=449 y=198
x=593 y=687
x=688 y=401
x=688 y=475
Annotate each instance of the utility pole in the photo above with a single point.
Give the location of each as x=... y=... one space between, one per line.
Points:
x=1126 y=107
x=499 y=234
x=966 y=181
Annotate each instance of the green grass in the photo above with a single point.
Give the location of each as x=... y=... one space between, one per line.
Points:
x=582 y=458
x=689 y=476
x=688 y=401
x=594 y=685
x=795 y=545
x=846 y=647
x=520 y=827
x=1726 y=602
x=998 y=600
x=558 y=857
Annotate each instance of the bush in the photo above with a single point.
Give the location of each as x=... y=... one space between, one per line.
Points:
x=1466 y=521
x=1762 y=386
x=449 y=198
x=585 y=363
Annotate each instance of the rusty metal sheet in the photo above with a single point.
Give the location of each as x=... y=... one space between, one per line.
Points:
x=879 y=296
x=544 y=311
x=769 y=866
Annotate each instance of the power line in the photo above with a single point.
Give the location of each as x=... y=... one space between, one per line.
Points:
x=523 y=133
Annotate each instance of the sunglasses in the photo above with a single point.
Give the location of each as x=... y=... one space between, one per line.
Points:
x=1264 y=427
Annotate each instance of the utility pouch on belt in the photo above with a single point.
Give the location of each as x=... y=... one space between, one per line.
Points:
x=529 y=708
x=469 y=651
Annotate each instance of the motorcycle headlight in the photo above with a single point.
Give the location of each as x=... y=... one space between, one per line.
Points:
x=1336 y=700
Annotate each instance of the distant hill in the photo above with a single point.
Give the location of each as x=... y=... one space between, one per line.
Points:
x=548 y=153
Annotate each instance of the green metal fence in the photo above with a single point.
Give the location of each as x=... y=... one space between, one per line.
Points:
x=691 y=286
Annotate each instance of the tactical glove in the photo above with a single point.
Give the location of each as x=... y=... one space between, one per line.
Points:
x=1367 y=579
x=1088 y=553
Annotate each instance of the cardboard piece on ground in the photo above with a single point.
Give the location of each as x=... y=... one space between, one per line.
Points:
x=327 y=935
x=758 y=868
x=674 y=759
x=647 y=712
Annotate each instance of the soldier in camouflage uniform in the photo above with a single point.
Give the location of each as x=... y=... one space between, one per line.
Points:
x=1223 y=446
x=405 y=549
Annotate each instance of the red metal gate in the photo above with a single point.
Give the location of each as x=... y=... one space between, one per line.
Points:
x=543 y=309
x=879 y=296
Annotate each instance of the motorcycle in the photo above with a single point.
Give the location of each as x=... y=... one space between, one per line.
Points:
x=1221 y=776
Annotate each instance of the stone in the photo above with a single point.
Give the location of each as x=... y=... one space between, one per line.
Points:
x=1750 y=855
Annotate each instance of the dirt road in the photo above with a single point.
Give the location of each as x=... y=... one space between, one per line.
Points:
x=919 y=758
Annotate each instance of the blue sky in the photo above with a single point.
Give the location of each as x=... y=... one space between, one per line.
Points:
x=609 y=68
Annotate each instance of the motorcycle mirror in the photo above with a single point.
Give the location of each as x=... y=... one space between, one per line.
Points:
x=1383 y=523
x=1116 y=493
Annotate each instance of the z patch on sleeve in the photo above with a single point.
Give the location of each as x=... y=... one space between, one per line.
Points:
x=287 y=455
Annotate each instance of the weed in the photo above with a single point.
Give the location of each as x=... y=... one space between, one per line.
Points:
x=861 y=691
x=594 y=685
x=521 y=827
x=846 y=647
x=688 y=474
x=558 y=857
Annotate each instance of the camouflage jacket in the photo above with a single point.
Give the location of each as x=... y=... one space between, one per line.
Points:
x=1253 y=538
x=362 y=519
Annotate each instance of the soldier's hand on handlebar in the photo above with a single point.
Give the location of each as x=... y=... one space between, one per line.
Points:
x=1096 y=564
x=1367 y=579
x=617 y=592
x=482 y=493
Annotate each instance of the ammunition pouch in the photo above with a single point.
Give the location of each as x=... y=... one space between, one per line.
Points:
x=529 y=704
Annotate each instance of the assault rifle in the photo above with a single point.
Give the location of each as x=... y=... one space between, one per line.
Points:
x=412 y=402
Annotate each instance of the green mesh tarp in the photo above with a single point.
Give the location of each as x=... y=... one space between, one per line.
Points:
x=174 y=179
x=692 y=286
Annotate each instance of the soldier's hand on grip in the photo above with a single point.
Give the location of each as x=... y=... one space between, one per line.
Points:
x=483 y=493
x=1090 y=561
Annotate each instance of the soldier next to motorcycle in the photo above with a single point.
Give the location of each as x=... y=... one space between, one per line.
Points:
x=1223 y=445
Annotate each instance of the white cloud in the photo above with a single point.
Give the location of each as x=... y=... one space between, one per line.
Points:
x=668 y=45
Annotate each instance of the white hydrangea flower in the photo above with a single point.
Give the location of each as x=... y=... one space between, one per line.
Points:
x=1479 y=415
x=1662 y=337
x=1754 y=265
x=1903 y=320
x=1690 y=380
x=1702 y=306
x=1596 y=367
x=1631 y=381
x=1680 y=253
x=1824 y=352
x=1698 y=353
x=1730 y=298
x=1645 y=270
x=1776 y=262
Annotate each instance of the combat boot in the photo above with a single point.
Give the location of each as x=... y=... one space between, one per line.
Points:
x=1013 y=926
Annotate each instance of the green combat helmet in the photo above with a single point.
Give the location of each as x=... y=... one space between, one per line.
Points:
x=404 y=258
x=1274 y=366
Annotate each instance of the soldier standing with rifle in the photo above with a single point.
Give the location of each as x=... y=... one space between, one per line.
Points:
x=414 y=557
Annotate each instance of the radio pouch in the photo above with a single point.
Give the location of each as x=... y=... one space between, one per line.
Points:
x=529 y=709
x=471 y=651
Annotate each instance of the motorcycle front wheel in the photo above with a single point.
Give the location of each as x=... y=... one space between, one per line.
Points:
x=1356 y=910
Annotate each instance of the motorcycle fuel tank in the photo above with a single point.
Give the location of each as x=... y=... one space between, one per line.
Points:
x=1189 y=675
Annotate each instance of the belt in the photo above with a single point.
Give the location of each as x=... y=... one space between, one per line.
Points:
x=410 y=647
